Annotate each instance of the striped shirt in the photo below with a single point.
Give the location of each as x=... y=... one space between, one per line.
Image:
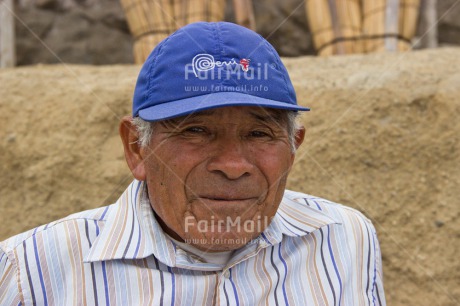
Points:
x=314 y=252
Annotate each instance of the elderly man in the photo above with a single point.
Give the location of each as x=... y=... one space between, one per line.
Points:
x=207 y=220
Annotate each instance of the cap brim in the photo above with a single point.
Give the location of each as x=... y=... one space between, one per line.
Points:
x=194 y=104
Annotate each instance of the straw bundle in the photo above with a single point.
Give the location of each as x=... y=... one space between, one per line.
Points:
x=151 y=21
x=374 y=24
x=7 y=35
x=389 y=25
x=320 y=23
x=354 y=26
x=335 y=25
x=408 y=22
x=244 y=13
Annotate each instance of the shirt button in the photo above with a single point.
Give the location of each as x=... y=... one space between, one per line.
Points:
x=227 y=274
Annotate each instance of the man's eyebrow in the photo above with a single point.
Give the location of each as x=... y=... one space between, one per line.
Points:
x=267 y=116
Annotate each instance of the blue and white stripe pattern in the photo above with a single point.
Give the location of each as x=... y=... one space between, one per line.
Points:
x=314 y=252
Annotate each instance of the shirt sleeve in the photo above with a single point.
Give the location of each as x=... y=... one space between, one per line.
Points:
x=9 y=293
x=364 y=281
x=378 y=294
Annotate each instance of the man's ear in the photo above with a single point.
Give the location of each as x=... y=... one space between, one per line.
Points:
x=130 y=138
x=299 y=137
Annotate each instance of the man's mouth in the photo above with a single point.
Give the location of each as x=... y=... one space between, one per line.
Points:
x=234 y=201
x=228 y=199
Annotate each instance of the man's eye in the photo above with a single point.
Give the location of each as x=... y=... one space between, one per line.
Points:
x=195 y=130
x=258 y=134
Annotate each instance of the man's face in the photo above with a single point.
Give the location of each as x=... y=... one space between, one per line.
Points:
x=216 y=178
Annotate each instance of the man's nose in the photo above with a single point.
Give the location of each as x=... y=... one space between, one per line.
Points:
x=230 y=159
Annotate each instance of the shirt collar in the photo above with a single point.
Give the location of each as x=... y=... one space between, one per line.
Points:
x=298 y=215
x=131 y=230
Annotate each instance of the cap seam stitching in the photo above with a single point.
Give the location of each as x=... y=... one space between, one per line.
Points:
x=219 y=46
x=280 y=64
x=160 y=53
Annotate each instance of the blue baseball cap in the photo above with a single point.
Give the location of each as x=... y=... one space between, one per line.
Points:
x=207 y=65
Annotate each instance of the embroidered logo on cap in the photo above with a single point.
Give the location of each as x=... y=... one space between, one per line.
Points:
x=204 y=62
x=244 y=62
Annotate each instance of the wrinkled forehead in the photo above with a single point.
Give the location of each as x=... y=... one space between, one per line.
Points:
x=257 y=113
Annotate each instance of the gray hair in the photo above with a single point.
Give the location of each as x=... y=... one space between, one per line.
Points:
x=145 y=128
